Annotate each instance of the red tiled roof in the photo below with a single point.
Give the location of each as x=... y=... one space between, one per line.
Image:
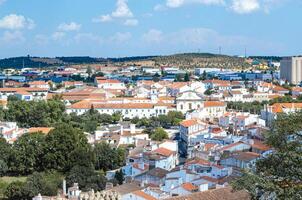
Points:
x=278 y=107
x=257 y=144
x=101 y=81
x=144 y=195
x=44 y=130
x=189 y=186
x=164 y=152
x=86 y=104
x=189 y=122
x=214 y=104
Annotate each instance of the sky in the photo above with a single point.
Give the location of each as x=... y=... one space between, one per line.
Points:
x=119 y=28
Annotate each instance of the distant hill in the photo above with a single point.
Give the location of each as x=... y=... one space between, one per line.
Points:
x=189 y=60
x=267 y=58
x=186 y=60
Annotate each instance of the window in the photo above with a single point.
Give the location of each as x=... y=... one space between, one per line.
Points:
x=190 y=106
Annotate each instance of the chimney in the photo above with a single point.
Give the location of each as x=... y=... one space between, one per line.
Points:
x=64 y=187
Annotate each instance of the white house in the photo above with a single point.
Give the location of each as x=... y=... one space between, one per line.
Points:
x=39 y=84
x=243 y=160
x=10 y=131
x=269 y=113
x=206 y=168
x=237 y=146
x=161 y=158
x=110 y=84
x=128 y=109
x=184 y=189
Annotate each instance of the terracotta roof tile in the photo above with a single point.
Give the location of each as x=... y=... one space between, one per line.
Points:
x=216 y=194
x=189 y=122
x=163 y=151
x=144 y=195
x=189 y=186
x=214 y=104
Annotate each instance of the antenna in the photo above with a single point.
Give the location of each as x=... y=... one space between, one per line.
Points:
x=219 y=50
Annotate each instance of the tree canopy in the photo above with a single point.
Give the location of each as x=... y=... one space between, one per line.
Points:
x=159 y=134
x=108 y=158
x=60 y=145
x=34 y=113
x=279 y=174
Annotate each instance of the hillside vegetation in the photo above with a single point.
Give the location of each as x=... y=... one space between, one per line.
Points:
x=187 y=60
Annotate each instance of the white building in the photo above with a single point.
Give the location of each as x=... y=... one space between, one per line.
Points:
x=189 y=100
x=110 y=84
x=10 y=131
x=291 y=69
x=24 y=93
x=128 y=108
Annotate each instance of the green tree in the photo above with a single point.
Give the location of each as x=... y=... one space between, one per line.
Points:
x=175 y=117
x=108 y=158
x=116 y=117
x=278 y=174
x=35 y=113
x=187 y=77
x=89 y=71
x=2 y=113
x=106 y=118
x=119 y=176
x=3 y=167
x=16 y=191
x=204 y=75
x=27 y=153
x=60 y=145
x=43 y=183
x=208 y=92
x=159 y=134
x=5 y=149
x=86 y=177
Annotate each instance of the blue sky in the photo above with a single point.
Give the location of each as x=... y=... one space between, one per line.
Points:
x=117 y=28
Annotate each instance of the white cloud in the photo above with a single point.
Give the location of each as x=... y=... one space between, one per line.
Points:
x=41 y=39
x=2 y=1
x=131 y=22
x=85 y=37
x=179 y=3
x=175 y=3
x=16 y=22
x=122 y=10
x=72 y=26
x=159 y=7
x=12 y=37
x=103 y=18
x=153 y=36
x=245 y=6
x=121 y=37
x=56 y=36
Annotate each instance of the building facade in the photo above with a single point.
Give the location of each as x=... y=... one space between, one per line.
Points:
x=291 y=69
